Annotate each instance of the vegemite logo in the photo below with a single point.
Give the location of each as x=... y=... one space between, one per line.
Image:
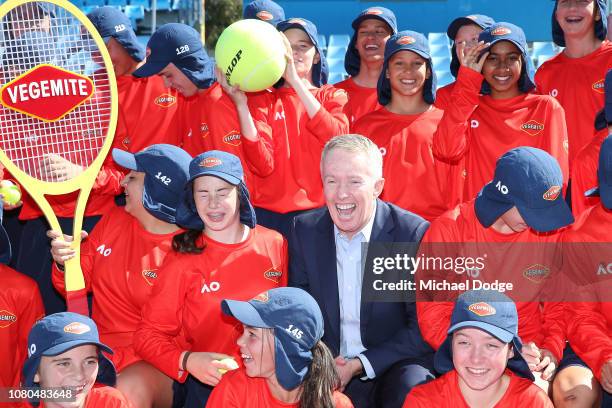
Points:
x=405 y=40
x=273 y=274
x=165 y=100
x=374 y=12
x=599 y=86
x=210 y=162
x=501 y=31
x=77 y=328
x=46 y=92
x=552 y=193
x=6 y=318
x=232 y=138
x=149 y=276
x=264 y=15
x=532 y=127
x=482 y=309
x=263 y=297
x=536 y=273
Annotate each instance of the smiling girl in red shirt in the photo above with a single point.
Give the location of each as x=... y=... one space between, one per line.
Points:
x=482 y=128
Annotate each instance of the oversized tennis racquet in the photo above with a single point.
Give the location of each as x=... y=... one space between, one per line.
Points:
x=58 y=104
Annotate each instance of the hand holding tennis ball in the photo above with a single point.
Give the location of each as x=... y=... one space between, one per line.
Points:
x=10 y=192
x=230 y=363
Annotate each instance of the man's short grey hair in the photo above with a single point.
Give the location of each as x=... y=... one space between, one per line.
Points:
x=355 y=143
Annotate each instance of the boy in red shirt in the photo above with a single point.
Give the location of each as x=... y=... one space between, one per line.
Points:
x=462 y=31
x=285 y=362
x=403 y=129
x=481 y=359
x=211 y=118
x=364 y=60
x=575 y=76
x=65 y=352
x=590 y=320
x=480 y=128
x=306 y=114
x=522 y=204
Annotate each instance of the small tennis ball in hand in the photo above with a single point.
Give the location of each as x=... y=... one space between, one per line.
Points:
x=228 y=362
x=10 y=192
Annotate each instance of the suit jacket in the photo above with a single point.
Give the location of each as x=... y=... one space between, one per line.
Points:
x=389 y=330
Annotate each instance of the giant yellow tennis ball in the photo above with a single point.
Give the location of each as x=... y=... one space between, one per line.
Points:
x=251 y=54
x=10 y=192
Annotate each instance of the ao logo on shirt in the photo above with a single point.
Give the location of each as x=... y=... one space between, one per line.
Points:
x=474 y=123
x=554 y=93
x=210 y=287
x=103 y=250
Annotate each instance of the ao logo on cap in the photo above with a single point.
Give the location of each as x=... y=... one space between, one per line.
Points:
x=482 y=309
x=210 y=162
x=264 y=15
x=263 y=297
x=405 y=40
x=374 y=11
x=77 y=328
x=501 y=31
x=552 y=193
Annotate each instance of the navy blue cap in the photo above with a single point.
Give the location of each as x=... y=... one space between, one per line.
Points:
x=510 y=32
x=227 y=167
x=57 y=333
x=492 y=312
x=320 y=72
x=30 y=49
x=407 y=41
x=111 y=22
x=264 y=10
x=181 y=45
x=5 y=243
x=601 y=26
x=604 y=174
x=297 y=322
x=352 y=61
x=531 y=180
x=480 y=20
x=166 y=169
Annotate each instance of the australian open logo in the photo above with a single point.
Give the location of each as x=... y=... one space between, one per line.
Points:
x=165 y=100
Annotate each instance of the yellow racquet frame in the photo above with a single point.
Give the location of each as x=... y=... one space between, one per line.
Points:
x=84 y=181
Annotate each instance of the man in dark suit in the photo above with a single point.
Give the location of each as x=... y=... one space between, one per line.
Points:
x=380 y=352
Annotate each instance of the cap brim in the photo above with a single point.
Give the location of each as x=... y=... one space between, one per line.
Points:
x=63 y=347
x=289 y=26
x=223 y=176
x=499 y=333
x=150 y=68
x=244 y=312
x=407 y=48
x=604 y=193
x=547 y=219
x=125 y=159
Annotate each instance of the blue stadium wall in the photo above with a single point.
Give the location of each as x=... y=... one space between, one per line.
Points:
x=335 y=16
